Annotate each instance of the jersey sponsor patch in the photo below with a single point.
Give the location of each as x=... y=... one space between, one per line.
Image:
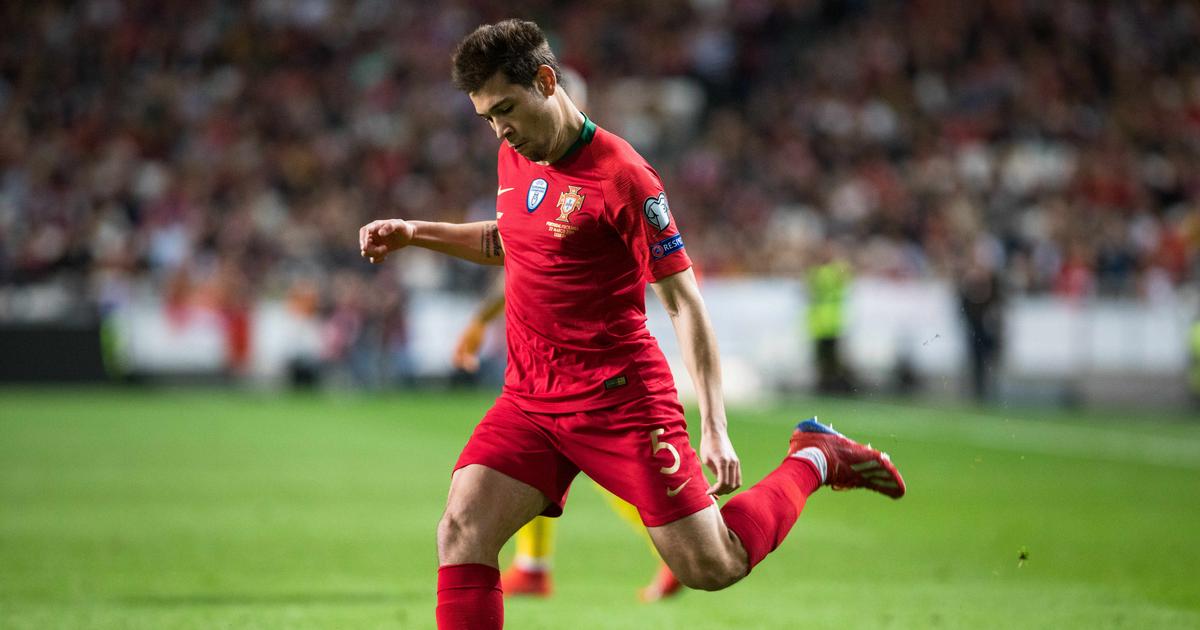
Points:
x=657 y=212
x=615 y=382
x=537 y=192
x=666 y=247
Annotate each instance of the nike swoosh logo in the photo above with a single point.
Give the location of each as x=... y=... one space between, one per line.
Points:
x=671 y=493
x=501 y=191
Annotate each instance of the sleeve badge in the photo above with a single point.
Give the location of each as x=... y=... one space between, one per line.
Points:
x=658 y=214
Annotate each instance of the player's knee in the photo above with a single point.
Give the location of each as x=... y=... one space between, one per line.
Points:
x=458 y=536
x=449 y=531
x=710 y=575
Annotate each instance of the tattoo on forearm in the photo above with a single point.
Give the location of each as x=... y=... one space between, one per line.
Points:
x=490 y=245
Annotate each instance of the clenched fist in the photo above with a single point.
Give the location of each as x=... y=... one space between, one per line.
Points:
x=377 y=239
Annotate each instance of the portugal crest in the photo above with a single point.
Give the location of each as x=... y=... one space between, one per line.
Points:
x=569 y=202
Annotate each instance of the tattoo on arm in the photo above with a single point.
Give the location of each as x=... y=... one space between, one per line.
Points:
x=490 y=245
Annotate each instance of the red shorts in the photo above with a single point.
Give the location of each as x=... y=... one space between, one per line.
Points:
x=637 y=450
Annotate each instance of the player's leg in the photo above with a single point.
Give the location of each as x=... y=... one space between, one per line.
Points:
x=701 y=550
x=712 y=549
x=508 y=473
x=651 y=464
x=535 y=541
x=484 y=509
x=529 y=573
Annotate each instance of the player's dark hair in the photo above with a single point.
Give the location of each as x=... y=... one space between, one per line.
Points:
x=514 y=47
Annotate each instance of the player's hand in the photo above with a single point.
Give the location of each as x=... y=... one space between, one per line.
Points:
x=716 y=451
x=466 y=354
x=377 y=239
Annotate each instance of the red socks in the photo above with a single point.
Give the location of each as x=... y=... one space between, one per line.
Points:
x=469 y=598
x=762 y=516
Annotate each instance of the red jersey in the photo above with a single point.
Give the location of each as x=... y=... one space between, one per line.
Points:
x=582 y=237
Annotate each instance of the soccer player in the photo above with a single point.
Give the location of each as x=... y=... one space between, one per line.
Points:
x=582 y=225
x=530 y=571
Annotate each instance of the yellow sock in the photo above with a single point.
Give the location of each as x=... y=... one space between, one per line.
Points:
x=535 y=544
x=630 y=515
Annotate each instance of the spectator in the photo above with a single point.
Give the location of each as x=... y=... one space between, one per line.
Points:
x=140 y=138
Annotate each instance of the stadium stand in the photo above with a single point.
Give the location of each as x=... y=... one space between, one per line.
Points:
x=211 y=152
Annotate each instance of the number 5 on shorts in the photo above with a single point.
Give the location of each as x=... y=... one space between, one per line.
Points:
x=658 y=446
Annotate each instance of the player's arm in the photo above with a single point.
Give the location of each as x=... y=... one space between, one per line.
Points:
x=477 y=242
x=466 y=352
x=680 y=295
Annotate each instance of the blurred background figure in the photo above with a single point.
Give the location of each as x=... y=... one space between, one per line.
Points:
x=232 y=302
x=981 y=296
x=469 y=355
x=828 y=283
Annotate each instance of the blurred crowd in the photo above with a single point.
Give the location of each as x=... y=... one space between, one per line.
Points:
x=225 y=151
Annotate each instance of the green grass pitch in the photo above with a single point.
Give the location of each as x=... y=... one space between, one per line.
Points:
x=211 y=509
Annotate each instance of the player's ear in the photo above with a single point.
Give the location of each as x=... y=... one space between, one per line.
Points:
x=546 y=81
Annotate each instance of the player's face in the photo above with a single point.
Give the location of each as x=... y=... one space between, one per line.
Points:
x=520 y=115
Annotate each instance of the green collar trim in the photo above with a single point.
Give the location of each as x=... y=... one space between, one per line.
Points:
x=585 y=137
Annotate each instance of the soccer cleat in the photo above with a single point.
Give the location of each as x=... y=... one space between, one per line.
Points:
x=664 y=585
x=518 y=581
x=844 y=463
